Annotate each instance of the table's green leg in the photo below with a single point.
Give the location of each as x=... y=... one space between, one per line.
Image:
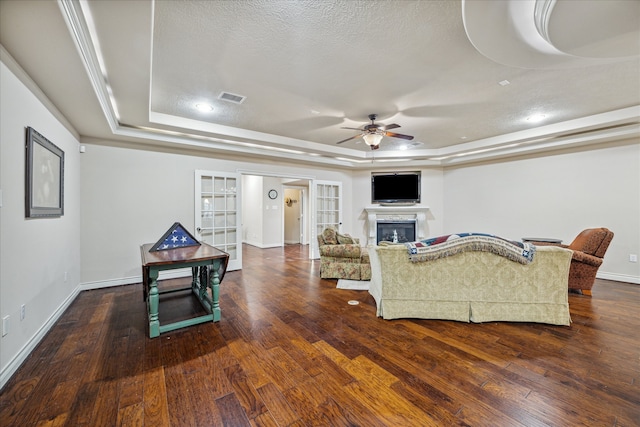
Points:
x=154 y=301
x=203 y=282
x=195 y=278
x=215 y=290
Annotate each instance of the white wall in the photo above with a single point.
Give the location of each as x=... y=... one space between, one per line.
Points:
x=130 y=197
x=39 y=258
x=272 y=214
x=554 y=196
x=252 y=210
x=261 y=216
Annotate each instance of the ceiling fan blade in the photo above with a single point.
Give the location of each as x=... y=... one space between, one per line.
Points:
x=391 y=126
x=360 y=129
x=398 y=135
x=348 y=139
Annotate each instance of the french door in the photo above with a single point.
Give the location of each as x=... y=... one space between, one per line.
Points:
x=217 y=213
x=326 y=210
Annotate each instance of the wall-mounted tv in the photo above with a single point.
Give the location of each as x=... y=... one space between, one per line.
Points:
x=395 y=187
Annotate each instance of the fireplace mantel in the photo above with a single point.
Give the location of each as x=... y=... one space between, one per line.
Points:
x=396 y=213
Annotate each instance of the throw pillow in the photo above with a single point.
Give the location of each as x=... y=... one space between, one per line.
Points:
x=329 y=236
x=344 y=239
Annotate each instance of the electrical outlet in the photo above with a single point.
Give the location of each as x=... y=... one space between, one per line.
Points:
x=23 y=312
x=633 y=258
x=5 y=325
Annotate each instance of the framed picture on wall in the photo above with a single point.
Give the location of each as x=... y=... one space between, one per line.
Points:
x=44 y=177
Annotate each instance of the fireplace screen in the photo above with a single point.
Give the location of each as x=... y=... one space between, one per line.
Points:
x=396 y=231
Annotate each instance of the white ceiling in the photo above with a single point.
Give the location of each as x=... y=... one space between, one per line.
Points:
x=131 y=72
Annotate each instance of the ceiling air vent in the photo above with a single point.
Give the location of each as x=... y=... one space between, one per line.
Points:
x=231 y=97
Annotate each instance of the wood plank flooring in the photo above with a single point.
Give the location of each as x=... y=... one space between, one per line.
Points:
x=291 y=351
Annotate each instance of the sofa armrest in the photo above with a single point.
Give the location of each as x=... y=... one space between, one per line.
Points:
x=341 y=251
x=586 y=259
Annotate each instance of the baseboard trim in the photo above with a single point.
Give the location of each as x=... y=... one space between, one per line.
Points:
x=164 y=275
x=15 y=363
x=25 y=351
x=263 y=246
x=627 y=278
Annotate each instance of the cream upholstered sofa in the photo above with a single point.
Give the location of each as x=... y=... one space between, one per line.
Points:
x=471 y=286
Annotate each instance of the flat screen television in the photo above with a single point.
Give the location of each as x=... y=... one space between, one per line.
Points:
x=395 y=187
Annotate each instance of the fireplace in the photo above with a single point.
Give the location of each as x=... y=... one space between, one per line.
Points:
x=404 y=217
x=395 y=231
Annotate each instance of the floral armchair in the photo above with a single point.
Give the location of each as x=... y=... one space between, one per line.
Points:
x=588 y=249
x=341 y=257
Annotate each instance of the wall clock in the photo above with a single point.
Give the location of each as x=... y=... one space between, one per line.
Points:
x=273 y=194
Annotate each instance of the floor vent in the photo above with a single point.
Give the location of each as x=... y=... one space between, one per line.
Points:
x=231 y=97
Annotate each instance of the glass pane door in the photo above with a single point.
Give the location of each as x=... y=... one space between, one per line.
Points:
x=217 y=211
x=327 y=210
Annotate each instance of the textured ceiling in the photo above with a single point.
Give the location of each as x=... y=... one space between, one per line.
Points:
x=309 y=68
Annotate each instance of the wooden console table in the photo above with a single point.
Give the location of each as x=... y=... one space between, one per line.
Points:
x=196 y=257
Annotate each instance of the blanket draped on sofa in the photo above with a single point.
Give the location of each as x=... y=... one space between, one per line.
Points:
x=452 y=244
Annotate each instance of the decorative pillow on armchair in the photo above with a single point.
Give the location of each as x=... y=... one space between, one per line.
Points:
x=344 y=239
x=329 y=236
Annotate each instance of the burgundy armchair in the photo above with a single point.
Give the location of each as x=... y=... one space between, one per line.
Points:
x=588 y=253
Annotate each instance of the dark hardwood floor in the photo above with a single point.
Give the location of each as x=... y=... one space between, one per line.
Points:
x=290 y=350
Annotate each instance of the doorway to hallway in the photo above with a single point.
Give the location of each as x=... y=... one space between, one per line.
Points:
x=293 y=216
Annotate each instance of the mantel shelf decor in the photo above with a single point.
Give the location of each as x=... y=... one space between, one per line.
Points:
x=176 y=237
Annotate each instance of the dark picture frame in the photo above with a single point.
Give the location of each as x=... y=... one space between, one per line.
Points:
x=44 y=194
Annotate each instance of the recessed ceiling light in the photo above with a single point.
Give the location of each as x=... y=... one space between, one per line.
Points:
x=536 y=118
x=205 y=108
x=504 y=82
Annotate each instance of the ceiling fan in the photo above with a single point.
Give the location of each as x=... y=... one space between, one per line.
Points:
x=372 y=134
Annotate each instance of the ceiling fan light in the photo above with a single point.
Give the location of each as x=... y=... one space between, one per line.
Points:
x=372 y=139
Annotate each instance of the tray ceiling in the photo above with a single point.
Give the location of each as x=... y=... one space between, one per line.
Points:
x=465 y=78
